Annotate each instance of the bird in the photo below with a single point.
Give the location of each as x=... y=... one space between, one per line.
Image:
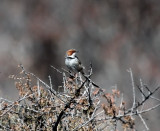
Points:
x=72 y=61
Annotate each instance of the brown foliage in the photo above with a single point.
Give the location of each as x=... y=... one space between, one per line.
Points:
x=78 y=107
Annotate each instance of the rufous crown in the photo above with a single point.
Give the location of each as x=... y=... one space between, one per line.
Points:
x=70 y=52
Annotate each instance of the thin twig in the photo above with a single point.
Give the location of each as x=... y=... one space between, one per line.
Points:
x=57 y=70
x=144 y=123
x=39 y=91
x=133 y=87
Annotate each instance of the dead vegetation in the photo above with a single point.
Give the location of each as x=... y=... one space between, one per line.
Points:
x=82 y=105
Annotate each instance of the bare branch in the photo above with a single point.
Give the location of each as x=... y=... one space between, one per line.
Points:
x=82 y=105
x=143 y=122
x=133 y=87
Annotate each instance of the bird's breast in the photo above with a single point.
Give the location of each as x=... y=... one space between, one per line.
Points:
x=71 y=62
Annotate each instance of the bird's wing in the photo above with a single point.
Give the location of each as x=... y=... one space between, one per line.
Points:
x=79 y=62
x=81 y=66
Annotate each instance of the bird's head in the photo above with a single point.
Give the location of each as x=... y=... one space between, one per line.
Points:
x=71 y=53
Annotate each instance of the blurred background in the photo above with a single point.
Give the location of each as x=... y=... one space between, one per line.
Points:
x=114 y=35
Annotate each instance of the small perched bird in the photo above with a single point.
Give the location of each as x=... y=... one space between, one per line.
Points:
x=72 y=61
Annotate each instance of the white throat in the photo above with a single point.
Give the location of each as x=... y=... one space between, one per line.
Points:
x=73 y=55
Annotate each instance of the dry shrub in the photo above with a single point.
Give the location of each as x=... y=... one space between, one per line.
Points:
x=82 y=105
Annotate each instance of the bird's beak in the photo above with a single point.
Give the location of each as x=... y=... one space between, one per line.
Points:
x=77 y=51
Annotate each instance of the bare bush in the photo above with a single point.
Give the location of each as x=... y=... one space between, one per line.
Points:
x=82 y=105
